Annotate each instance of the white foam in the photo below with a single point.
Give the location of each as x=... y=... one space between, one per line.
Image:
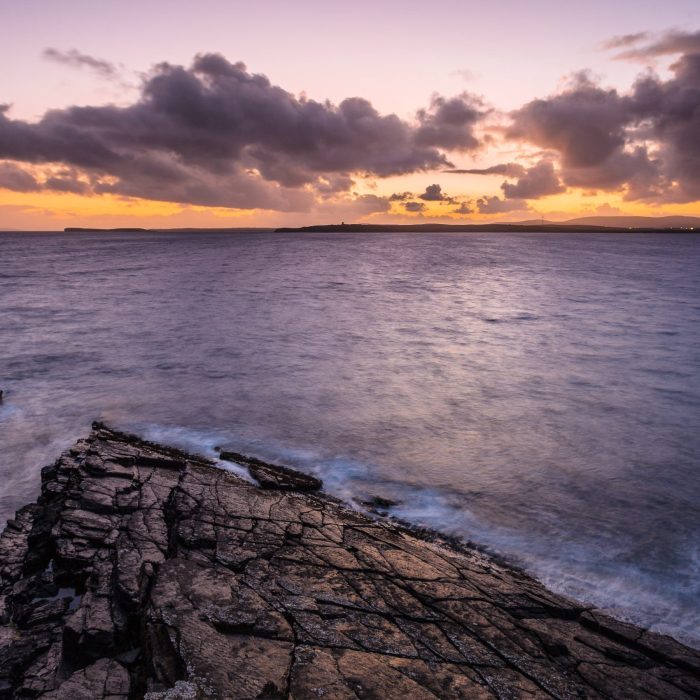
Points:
x=569 y=569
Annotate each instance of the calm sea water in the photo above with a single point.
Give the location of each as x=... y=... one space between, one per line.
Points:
x=538 y=394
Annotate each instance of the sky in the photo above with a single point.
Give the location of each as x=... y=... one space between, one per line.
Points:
x=225 y=113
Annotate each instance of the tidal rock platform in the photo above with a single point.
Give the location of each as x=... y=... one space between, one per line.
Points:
x=143 y=571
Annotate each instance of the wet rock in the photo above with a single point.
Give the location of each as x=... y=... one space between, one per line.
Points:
x=273 y=476
x=379 y=505
x=105 y=678
x=146 y=572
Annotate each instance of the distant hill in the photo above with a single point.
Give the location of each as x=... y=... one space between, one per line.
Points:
x=638 y=221
x=620 y=222
x=538 y=227
x=582 y=224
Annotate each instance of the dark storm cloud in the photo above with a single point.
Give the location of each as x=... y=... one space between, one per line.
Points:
x=449 y=123
x=76 y=59
x=507 y=169
x=538 y=181
x=215 y=134
x=414 y=206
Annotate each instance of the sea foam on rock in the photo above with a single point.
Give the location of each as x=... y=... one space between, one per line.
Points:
x=145 y=571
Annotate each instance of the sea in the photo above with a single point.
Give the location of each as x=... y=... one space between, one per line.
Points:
x=537 y=394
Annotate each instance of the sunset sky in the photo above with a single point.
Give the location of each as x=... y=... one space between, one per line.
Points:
x=224 y=113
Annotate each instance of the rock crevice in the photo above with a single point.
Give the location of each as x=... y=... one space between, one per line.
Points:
x=143 y=571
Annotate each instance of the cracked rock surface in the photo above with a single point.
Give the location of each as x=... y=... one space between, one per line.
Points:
x=146 y=572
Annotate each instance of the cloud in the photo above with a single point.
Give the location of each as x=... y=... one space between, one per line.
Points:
x=351 y=207
x=507 y=169
x=496 y=205
x=215 y=134
x=450 y=123
x=434 y=193
x=18 y=179
x=670 y=111
x=329 y=185
x=670 y=43
x=465 y=74
x=592 y=130
x=606 y=209
x=14 y=178
x=623 y=41
x=414 y=206
x=642 y=143
x=76 y=59
x=584 y=123
x=463 y=208
x=538 y=181
x=66 y=182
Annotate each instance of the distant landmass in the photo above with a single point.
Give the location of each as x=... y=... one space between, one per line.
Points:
x=135 y=229
x=591 y=224
x=691 y=222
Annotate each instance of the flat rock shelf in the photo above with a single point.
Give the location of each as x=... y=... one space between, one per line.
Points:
x=143 y=571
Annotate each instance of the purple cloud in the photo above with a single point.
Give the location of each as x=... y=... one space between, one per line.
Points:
x=434 y=193
x=76 y=59
x=216 y=135
x=496 y=205
x=538 y=181
x=507 y=169
x=463 y=208
x=670 y=43
x=602 y=137
x=14 y=178
x=449 y=123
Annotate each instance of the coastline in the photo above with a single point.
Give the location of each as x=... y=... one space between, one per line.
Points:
x=144 y=569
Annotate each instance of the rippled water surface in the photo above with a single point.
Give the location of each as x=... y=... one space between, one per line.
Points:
x=538 y=394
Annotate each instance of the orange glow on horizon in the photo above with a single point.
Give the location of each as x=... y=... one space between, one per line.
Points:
x=49 y=210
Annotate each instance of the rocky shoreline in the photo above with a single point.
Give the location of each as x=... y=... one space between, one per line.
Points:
x=143 y=571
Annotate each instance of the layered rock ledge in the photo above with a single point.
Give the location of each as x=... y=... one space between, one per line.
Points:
x=144 y=571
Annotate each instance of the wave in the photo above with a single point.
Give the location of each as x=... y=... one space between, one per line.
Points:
x=568 y=568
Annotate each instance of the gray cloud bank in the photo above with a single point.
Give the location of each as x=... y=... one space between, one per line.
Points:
x=647 y=141
x=214 y=134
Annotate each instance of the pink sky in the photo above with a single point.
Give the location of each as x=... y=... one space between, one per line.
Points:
x=396 y=55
